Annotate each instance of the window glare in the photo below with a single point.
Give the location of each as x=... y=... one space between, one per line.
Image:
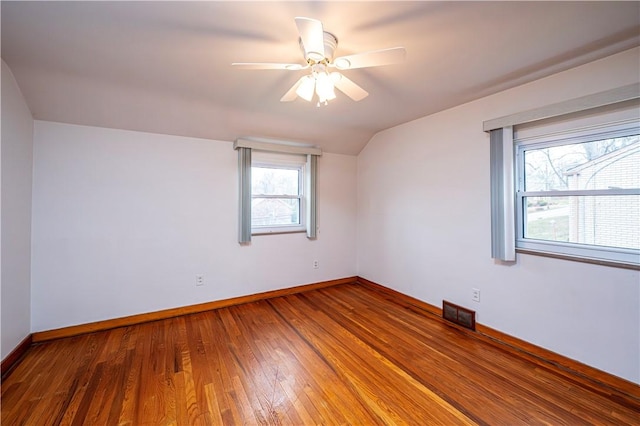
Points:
x=275 y=181
x=603 y=164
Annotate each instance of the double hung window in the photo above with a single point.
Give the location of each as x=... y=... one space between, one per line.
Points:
x=565 y=180
x=578 y=192
x=278 y=200
x=277 y=183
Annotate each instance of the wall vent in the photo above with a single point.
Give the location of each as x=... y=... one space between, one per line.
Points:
x=459 y=315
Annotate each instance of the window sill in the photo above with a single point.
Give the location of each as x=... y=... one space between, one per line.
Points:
x=281 y=230
x=592 y=261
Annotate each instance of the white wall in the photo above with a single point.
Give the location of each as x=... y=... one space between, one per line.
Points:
x=424 y=229
x=123 y=221
x=16 y=165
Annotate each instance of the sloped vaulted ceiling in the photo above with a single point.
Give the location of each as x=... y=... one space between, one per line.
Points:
x=165 y=67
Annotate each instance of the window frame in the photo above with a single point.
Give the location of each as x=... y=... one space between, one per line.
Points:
x=578 y=251
x=286 y=162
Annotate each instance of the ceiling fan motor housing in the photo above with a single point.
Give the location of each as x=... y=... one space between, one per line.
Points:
x=330 y=44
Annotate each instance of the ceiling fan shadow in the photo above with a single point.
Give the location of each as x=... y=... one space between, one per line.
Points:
x=221 y=33
x=412 y=11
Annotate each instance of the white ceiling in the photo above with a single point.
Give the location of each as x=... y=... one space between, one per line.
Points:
x=165 y=67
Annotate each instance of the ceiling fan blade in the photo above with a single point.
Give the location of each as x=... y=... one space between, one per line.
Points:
x=312 y=36
x=374 y=58
x=291 y=94
x=348 y=87
x=267 y=66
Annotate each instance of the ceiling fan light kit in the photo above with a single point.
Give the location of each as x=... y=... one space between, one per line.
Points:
x=318 y=47
x=324 y=87
x=305 y=89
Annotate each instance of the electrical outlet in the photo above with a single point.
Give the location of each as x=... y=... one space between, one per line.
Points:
x=475 y=294
x=199 y=280
x=316 y=264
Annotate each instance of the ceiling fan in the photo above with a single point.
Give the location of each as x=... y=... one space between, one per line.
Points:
x=318 y=47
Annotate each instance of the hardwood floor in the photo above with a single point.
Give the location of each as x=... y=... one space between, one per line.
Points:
x=339 y=355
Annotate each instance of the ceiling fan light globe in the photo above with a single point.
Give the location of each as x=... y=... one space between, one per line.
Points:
x=324 y=87
x=330 y=93
x=326 y=100
x=305 y=90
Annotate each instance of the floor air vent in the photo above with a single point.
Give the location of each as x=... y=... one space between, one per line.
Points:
x=459 y=315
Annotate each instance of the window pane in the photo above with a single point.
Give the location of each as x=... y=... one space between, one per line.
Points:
x=610 y=221
x=274 y=181
x=275 y=211
x=603 y=164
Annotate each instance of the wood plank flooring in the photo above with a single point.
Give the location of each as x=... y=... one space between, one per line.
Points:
x=339 y=355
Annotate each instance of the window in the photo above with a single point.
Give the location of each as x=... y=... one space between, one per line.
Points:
x=278 y=202
x=565 y=180
x=578 y=192
x=277 y=187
